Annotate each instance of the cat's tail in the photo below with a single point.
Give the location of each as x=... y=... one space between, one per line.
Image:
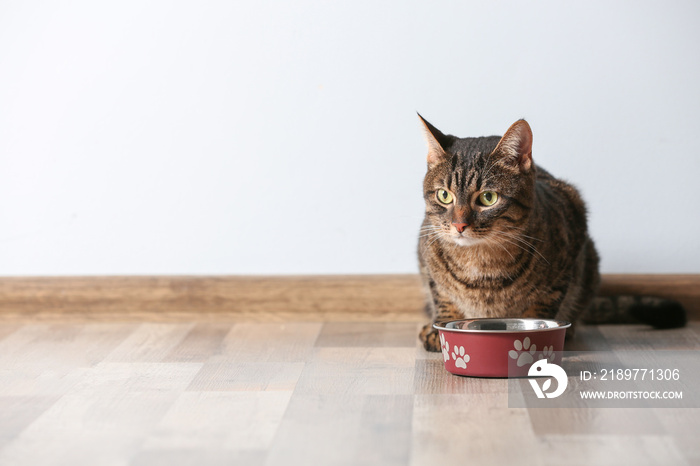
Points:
x=657 y=312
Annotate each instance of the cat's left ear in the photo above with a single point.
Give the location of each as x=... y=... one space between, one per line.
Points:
x=436 y=143
x=516 y=144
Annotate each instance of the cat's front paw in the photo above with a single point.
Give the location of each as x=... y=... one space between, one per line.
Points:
x=430 y=338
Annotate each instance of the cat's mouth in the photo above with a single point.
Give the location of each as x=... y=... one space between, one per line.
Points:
x=462 y=240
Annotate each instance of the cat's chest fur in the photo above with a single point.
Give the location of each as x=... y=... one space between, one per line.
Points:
x=478 y=284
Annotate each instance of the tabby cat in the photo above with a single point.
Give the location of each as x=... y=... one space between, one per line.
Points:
x=504 y=238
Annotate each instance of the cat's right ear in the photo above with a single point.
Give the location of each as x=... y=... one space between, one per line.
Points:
x=516 y=145
x=436 y=142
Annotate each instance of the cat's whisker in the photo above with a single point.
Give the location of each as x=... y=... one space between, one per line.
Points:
x=521 y=229
x=510 y=234
x=515 y=237
x=437 y=237
x=533 y=238
x=432 y=241
x=428 y=235
x=429 y=230
x=519 y=246
x=518 y=238
x=525 y=244
x=533 y=250
x=489 y=243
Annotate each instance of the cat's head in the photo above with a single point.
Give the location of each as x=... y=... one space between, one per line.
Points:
x=478 y=189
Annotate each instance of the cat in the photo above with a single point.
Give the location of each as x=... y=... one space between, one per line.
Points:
x=502 y=237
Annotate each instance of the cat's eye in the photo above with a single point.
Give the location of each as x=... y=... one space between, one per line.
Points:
x=444 y=196
x=488 y=198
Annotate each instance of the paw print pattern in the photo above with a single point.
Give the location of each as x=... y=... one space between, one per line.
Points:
x=523 y=352
x=548 y=353
x=460 y=358
x=445 y=347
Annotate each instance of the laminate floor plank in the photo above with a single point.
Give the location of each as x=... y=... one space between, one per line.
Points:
x=68 y=345
x=271 y=342
x=102 y=419
x=362 y=334
x=386 y=430
x=431 y=378
x=7 y=328
x=15 y=348
x=611 y=450
x=478 y=428
x=223 y=374
x=203 y=341
x=579 y=421
x=150 y=342
x=353 y=370
x=587 y=338
x=319 y=429
x=48 y=359
x=220 y=421
x=17 y=412
x=683 y=425
x=645 y=338
x=694 y=326
x=346 y=428
x=193 y=457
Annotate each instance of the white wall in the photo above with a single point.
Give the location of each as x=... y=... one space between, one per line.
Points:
x=221 y=137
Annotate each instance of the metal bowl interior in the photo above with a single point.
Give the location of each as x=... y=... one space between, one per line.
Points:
x=497 y=325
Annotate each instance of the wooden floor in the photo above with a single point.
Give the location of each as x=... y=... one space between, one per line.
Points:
x=300 y=393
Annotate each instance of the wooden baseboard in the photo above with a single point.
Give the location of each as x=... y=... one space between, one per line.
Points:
x=353 y=297
x=362 y=297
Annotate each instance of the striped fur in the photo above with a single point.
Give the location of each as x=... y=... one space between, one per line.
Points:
x=528 y=255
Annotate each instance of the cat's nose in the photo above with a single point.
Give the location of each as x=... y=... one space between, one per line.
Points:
x=460 y=226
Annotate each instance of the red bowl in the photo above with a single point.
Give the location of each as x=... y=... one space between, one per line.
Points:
x=500 y=347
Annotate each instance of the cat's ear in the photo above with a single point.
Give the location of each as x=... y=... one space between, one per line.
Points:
x=436 y=143
x=516 y=144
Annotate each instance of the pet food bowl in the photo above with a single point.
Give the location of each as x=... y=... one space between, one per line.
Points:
x=500 y=347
